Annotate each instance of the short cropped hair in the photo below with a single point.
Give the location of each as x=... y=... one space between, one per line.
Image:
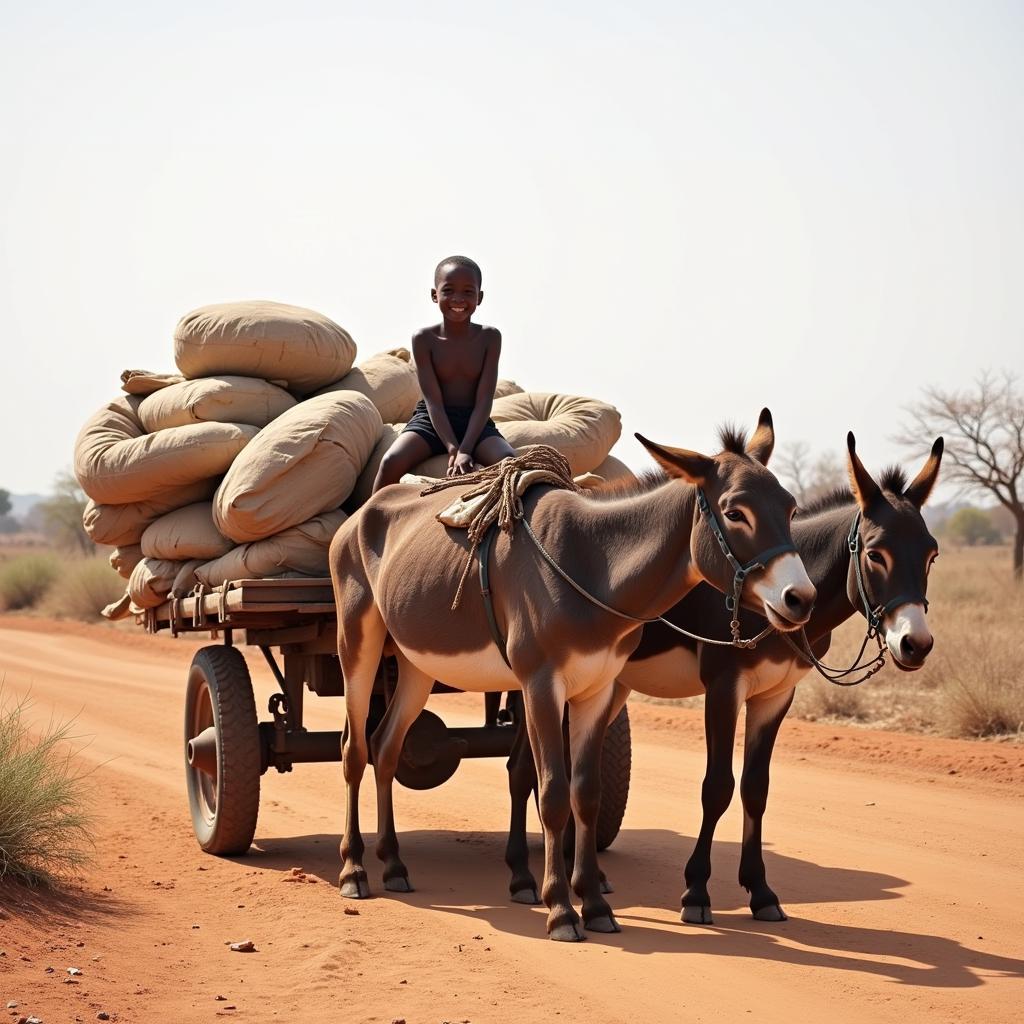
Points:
x=459 y=261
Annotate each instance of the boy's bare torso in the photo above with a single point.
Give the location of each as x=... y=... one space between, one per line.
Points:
x=458 y=362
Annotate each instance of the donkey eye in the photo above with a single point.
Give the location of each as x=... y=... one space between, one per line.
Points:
x=734 y=515
x=875 y=557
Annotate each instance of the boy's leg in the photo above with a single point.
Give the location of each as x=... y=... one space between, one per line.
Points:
x=491 y=450
x=408 y=451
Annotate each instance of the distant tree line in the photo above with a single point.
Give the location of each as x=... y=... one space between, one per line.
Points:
x=58 y=518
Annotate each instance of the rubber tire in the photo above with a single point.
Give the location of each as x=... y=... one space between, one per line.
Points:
x=230 y=830
x=616 y=764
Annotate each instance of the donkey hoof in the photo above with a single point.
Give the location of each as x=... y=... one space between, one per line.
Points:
x=566 y=933
x=605 y=923
x=773 y=912
x=527 y=896
x=606 y=886
x=397 y=884
x=697 y=915
x=355 y=887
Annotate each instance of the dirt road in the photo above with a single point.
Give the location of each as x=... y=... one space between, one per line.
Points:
x=902 y=881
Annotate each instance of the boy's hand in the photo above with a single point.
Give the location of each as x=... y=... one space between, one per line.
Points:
x=460 y=463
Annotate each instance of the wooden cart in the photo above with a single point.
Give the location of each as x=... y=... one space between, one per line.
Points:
x=293 y=624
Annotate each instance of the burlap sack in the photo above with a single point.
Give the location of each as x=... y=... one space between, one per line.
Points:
x=507 y=387
x=388 y=379
x=214 y=400
x=152 y=580
x=143 y=382
x=304 y=463
x=612 y=471
x=116 y=462
x=301 y=548
x=185 y=533
x=125 y=524
x=263 y=339
x=124 y=559
x=582 y=429
x=364 y=484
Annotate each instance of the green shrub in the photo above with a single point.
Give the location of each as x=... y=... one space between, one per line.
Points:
x=25 y=580
x=44 y=823
x=85 y=586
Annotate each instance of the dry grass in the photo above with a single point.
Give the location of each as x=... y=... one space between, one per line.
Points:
x=972 y=684
x=84 y=586
x=44 y=821
x=26 y=579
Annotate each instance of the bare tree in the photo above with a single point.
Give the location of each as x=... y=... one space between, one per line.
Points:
x=808 y=477
x=984 y=432
x=61 y=515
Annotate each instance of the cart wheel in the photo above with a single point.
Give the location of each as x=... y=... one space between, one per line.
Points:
x=222 y=751
x=616 y=758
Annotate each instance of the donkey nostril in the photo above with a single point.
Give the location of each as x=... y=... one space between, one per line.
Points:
x=907 y=647
x=794 y=602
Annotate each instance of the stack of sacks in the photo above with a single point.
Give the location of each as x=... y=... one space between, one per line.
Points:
x=238 y=466
x=152 y=460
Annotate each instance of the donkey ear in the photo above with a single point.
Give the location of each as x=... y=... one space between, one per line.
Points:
x=922 y=484
x=762 y=442
x=865 y=490
x=679 y=462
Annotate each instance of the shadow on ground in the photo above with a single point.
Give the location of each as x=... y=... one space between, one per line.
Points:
x=59 y=906
x=646 y=869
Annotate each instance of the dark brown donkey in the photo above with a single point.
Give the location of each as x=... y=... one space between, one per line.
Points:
x=867 y=550
x=395 y=570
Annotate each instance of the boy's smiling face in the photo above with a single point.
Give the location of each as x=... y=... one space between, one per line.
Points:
x=457 y=293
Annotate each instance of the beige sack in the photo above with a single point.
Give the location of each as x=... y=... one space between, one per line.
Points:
x=304 y=463
x=364 y=484
x=612 y=471
x=152 y=580
x=507 y=387
x=388 y=379
x=215 y=400
x=124 y=559
x=301 y=548
x=263 y=339
x=142 y=382
x=582 y=429
x=125 y=524
x=116 y=462
x=185 y=533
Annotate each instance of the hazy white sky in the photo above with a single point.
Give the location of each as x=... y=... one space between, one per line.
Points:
x=688 y=209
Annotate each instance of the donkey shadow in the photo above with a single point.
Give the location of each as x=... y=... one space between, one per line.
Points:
x=646 y=870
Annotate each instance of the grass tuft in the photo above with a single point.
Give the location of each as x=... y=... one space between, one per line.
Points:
x=26 y=579
x=85 y=586
x=44 y=819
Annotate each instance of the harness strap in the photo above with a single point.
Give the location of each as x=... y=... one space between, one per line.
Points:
x=484 y=554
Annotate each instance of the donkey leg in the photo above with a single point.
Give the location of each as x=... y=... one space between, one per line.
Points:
x=359 y=662
x=522 y=780
x=763 y=720
x=588 y=720
x=409 y=700
x=721 y=709
x=544 y=699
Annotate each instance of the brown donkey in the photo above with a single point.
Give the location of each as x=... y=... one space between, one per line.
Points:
x=395 y=570
x=867 y=550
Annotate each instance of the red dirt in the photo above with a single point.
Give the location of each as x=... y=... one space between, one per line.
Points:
x=901 y=880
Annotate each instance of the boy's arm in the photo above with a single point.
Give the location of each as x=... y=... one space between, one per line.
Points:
x=431 y=389
x=484 y=393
